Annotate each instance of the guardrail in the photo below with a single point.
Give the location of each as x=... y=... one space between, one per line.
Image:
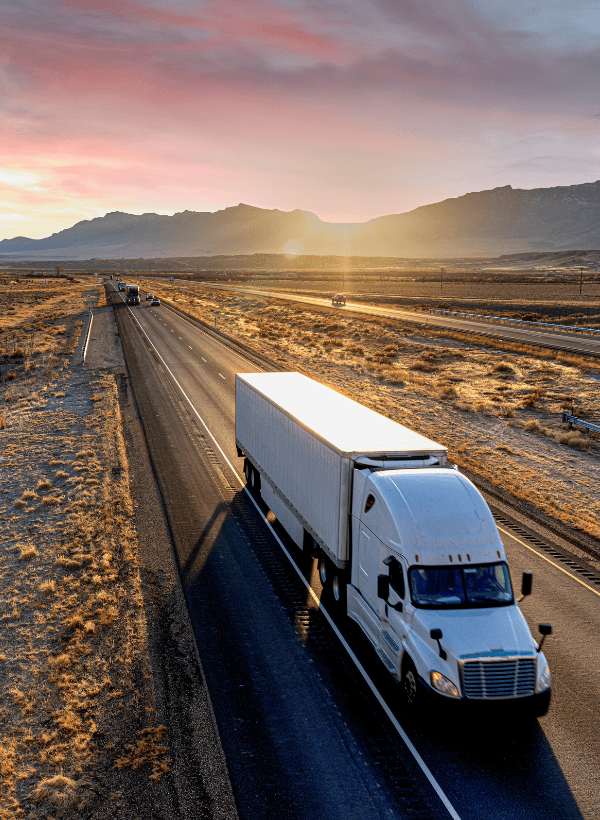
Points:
x=87 y=338
x=503 y=320
x=583 y=423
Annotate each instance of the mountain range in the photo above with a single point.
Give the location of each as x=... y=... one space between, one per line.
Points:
x=483 y=223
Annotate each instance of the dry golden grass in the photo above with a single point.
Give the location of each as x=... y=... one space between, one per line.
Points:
x=443 y=384
x=61 y=728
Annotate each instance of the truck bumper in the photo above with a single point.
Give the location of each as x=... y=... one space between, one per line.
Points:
x=533 y=706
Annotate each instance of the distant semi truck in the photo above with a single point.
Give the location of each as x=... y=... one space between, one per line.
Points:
x=133 y=294
x=122 y=286
x=406 y=546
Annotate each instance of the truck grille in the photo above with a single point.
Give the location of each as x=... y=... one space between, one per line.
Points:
x=498 y=678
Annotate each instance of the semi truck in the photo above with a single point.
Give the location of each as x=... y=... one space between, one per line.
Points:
x=133 y=295
x=121 y=285
x=406 y=545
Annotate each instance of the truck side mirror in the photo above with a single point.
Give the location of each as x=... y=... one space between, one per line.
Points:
x=526 y=584
x=545 y=629
x=436 y=635
x=383 y=587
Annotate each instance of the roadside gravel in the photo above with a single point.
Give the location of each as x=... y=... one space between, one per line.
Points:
x=104 y=711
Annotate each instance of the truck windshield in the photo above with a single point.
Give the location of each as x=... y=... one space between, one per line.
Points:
x=471 y=586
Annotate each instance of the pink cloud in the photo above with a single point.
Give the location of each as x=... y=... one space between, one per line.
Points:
x=365 y=108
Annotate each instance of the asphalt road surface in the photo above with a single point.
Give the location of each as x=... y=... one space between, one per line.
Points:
x=306 y=734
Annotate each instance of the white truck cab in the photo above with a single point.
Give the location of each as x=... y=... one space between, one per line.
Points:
x=406 y=546
x=432 y=592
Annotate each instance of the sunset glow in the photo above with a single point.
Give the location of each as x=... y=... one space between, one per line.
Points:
x=350 y=110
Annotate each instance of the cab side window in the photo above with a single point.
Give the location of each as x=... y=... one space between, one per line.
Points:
x=397 y=579
x=369 y=502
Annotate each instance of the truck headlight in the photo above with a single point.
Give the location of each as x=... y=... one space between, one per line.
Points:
x=544 y=681
x=443 y=685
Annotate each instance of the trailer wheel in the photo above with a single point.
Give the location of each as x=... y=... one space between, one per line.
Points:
x=324 y=571
x=255 y=480
x=247 y=471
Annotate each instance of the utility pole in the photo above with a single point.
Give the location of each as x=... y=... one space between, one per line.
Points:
x=441 y=279
x=580 y=279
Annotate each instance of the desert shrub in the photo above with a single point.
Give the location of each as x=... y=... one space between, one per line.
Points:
x=51 y=501
x=2 y=422
x=572 y=438
x=465 y=406
x=448 y=392
x=423 y=365
x=532 y=399
x=531 y=426
x=48 y=587
x=504 y=368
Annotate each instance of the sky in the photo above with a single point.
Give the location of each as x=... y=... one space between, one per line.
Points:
x=350 y=109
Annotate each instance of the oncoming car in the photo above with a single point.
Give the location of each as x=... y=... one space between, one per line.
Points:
x=338 y=299
x=155 y=302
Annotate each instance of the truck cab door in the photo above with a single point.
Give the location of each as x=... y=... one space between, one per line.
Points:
x=398 y=599
x=371 y=553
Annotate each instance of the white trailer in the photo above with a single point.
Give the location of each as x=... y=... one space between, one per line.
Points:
x=405 y=545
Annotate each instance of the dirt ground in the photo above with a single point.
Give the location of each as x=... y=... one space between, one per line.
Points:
x=497 y=410
x=79 y=732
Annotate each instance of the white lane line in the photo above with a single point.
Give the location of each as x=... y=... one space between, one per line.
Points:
x=221 y=375
x=179 y=337
x=224 y=346
x=172 y=331
x=419 y=760
x=556 y=566
x=190 y=347
x=186 y=397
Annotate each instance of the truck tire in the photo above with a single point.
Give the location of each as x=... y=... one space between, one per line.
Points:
x=252 y=477
x=333 y=582
x=324 y=571
x=410 y=684
x=338 y=589
x=255 y=481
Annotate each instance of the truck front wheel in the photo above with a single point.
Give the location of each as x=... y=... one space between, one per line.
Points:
x=338 y=589
x=410 y=684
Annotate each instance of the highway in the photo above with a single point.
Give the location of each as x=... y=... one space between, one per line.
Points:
x=555 y=340
x=311 y=723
